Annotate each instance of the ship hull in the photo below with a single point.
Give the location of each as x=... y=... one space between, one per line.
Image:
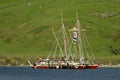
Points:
x=41 y=67
x=74 y=67
x=93 y=66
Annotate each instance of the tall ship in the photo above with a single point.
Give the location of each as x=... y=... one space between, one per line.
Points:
x=71 y=50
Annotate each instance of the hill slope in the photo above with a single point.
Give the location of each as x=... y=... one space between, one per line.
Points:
x=25 y=25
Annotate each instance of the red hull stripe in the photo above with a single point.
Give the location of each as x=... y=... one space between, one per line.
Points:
x=75 y=67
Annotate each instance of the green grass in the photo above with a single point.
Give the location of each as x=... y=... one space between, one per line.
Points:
x=25 y=25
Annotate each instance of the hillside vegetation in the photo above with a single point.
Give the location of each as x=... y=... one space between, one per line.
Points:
x=25 y=25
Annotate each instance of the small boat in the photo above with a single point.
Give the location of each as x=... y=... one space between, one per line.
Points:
x=71 y=51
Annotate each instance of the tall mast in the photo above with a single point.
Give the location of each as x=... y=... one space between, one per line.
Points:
x=64 y=37
x=79 y=38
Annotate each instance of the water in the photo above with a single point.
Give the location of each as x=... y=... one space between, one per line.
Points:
x=28 y=73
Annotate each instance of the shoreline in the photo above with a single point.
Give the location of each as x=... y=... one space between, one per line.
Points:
x=106 y=66
x=117 y=66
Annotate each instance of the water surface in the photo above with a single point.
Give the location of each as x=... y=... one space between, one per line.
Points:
x=28 y=73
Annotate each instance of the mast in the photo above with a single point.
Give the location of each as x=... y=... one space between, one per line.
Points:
x=80 y=51
x=64 y=36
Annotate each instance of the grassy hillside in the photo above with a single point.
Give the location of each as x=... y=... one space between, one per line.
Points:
x=25 y=25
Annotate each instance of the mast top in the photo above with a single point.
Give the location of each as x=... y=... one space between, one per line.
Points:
x=76 y=15
x=61 y=18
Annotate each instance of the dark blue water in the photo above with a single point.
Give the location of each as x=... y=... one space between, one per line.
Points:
x=28 y=73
